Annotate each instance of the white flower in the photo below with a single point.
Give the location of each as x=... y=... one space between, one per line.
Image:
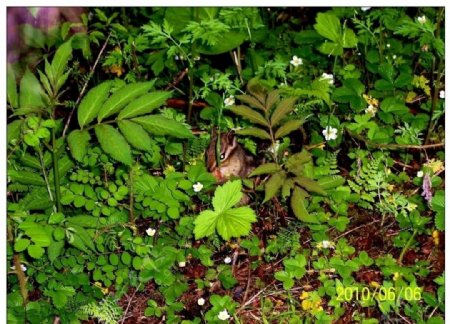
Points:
x=227 y=260
x=442 y=94
x=330 y=133
x=388 y=45
x=371 y=110
x=296 y=61
x=229 y=101
x=394 y=56
x=201 y=301
x=329 y=77
x=223 y=315
x=365 y=8
x=181 y=264
x=326 y=244
x=176 y=58
x=198 y=187
x=197 y=58
x=422 y=20
x=274 y=148
x=150 y=231
x=21 y=266
x=420 y=174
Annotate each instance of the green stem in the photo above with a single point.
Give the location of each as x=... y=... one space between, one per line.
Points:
x=55 y=157
x=408 y=244
x=44 y=173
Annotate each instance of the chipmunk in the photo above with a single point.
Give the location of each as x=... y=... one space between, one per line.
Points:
x=234 y=161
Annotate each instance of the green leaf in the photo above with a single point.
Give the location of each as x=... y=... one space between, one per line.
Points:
x=21 y=244
x=78 y=141
x=438 y=206
x=254 y=131
x=135 y=135
x=228 y=41
x=122 y=97
x=13 y=98
x=84 y=236
x=160 y=125
x=252 y=101
x=266 y=168
x=60 y=60
x=310 y=185
x=35 y=251
x=84 y=221
x=331 y=182
x=235 y=222
x=282 y=110
x=249 y=114
x=26 y=177
x=227 y=195
x=298 y=206
x=92 y=102
x=30 y=91
x=328 y=26
x=288 y=127
x=394 y=106
x=351 y=92
x=113 y=143
x=144 y=104
x=14 y=130
x=205 y=224
x=54 y=250
x=36 y=233
x=273 y=185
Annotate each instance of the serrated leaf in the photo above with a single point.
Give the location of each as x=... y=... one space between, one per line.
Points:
x=310 y=185
x=288 y=184
x=113 y=143
x=144 y=104
x=273 y=185
x=227 y=195
x=84 y=236
x=13 y=98
x=84 y=221
x=298 y=206
x=122 y=97
x=252 y=101
x=328 y=26
x=160 y=125
x=14 y=130
x=438 y=206
x=255 y=132
x=78 y=141
x=288 y=127
x=266 y=168
x=205 y=224
x=61 y=58
x=282 y=110
x=30 y=95
x=92 y=102
x=235 y=222
x=26 y=177
x=249 y=114
x=331 y=182
x=272 y=98
x=55 y=249
x=135 y=135
x=21 y=244
x=36 y=233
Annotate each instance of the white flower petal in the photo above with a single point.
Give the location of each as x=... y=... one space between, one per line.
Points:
x=227 y=260
x=223 y=315
x=201 y=301
x=442 y=94
x=420 y=174
x=150 y=231
x=197 y=187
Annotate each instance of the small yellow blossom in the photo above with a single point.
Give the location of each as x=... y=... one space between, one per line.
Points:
x=116 y=69
x=103 y=289
x=371 y=101
x=375 y=284
x=396 y=276
x=436 y=237
x=390 y=187
x=435 y=165
x=304 y=295
x=410 y=207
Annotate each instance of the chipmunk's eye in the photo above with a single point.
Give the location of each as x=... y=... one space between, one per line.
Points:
x=222 y=156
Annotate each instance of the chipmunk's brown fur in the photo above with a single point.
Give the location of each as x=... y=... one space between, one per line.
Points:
x=234 y=161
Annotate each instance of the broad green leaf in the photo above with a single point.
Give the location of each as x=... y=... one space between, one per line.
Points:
x=298 y=206
x=349 y=39
x=160 y=125
x=255 y=132
x=288 y=127
x=282 y=110
x=438 y=206
x=36 y=233
x=30 y=95
x=394 y=106
x=331 y=182
x=288 y=184
x=272 y=98
x=227 y=195
x=21 y=244
x=78 y=141
x=266 y=168
x=14 y=130
x=228 y=41
x=328 y=26
x=351 y=92
x=36 y=199
x=205 y=224
x=235 y=222
x=135 y=135
x=35 y=251
x=84 y=236
x=122 y=97
x=310 y=185
x=113 y=143
x=60 y=60
x=84 y=221
x=26 y=177
x=273 y=185
x=92 y=102
x=55 y=249
x=249 y=114
x=13 y=98
x=252 y=101
x=144 y=104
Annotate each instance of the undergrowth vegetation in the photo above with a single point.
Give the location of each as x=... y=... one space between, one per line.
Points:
x=113 y=216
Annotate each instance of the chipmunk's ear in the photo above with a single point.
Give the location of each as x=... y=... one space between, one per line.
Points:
x=231 y=138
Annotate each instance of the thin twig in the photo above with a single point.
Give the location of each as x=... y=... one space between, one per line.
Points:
x=129 y=303
x=91 y=73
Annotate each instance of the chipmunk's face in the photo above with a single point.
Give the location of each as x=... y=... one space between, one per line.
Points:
x=226 y=163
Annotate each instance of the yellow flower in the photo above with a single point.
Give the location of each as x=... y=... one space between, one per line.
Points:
x=116 y=69
x=396 y=276
x=375 y=284
x=436 y=237
x=304 y=295
x=103 y=289
x=306 y=304
x=410 y=207
x=435 y=165
x=370 y=100
x=390 y=187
